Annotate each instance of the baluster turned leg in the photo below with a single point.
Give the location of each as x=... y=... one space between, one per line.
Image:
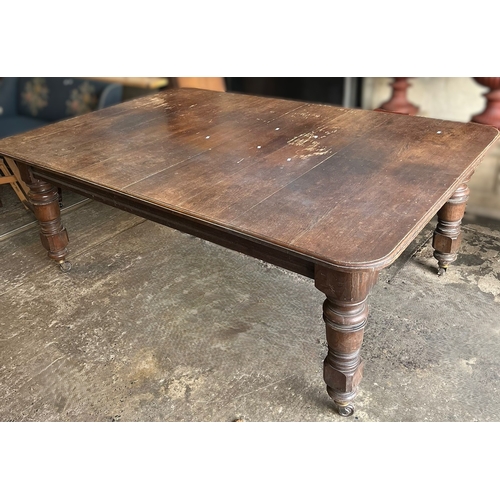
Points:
x=448 y=234
x=398 y=103
x=345 y=312
x=491 y=113
x=45 y=201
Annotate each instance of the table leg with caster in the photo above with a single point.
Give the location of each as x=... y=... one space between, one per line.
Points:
x=345 y=312
x=45 y=201
x=448 y=233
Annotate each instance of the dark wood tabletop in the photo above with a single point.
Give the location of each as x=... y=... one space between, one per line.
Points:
x=339 y=186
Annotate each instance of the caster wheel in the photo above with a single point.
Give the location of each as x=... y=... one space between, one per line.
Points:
x=441 y=271
x=65 y=266
x=345 y=410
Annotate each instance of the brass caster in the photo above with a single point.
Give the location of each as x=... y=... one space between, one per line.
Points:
x=65 y=266
x=345 y=410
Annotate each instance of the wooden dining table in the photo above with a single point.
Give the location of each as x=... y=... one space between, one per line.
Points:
x=330 y=193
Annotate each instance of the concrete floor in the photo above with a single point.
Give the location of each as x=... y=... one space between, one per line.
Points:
x=155 y=325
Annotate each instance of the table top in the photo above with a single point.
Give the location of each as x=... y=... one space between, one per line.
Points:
x=339 y=187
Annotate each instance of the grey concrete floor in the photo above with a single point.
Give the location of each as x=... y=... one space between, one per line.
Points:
x=155 y=325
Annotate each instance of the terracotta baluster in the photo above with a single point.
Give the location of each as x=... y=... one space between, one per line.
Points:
x=398 y=103
x=491 y=114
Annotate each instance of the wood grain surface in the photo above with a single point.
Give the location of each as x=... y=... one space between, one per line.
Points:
x=338 y=187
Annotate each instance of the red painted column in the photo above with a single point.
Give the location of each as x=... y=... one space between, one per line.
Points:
x=398 y=103
x=491 y=114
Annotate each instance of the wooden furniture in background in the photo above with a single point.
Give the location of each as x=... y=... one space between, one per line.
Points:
x=398 y=103
x=134 y=81
x=331 y=193
x=207 y=83
x=491 y=114
x=9 y=174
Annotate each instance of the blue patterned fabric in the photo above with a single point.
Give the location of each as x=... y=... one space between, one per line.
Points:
x=31 y=102
x=8 y=101
x=57 y=98
x=11 y=125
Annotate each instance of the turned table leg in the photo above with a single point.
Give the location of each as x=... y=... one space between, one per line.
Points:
x=45 y=201
x=345 y=312
x=448 y=234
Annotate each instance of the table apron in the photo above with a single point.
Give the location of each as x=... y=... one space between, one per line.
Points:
x=275 y=255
